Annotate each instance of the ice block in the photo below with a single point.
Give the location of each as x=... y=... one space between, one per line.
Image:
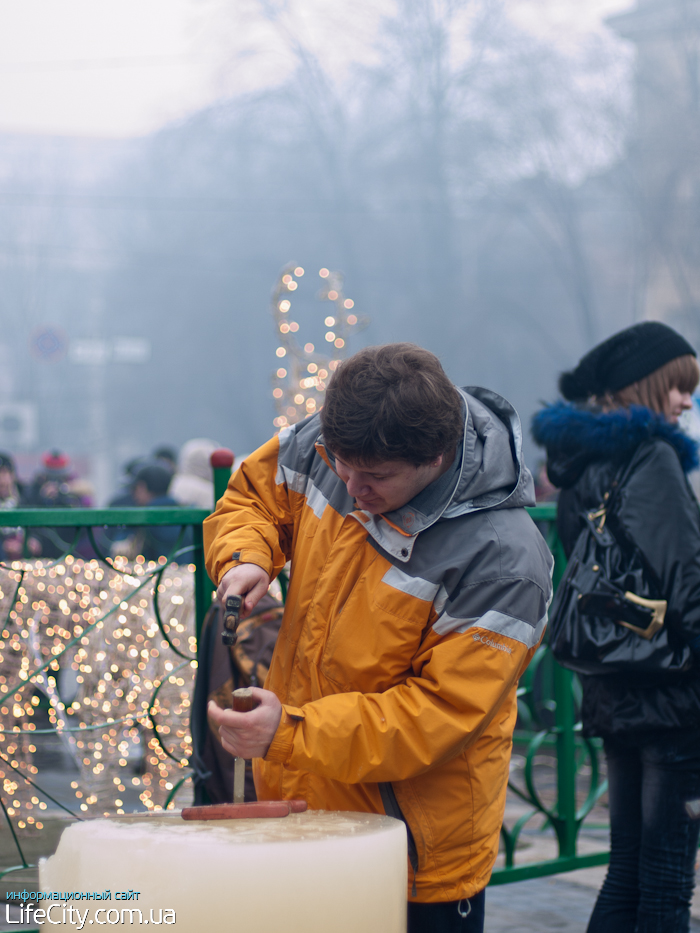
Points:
x=310 y=872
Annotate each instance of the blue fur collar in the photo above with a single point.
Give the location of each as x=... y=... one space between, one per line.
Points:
x=583 y=434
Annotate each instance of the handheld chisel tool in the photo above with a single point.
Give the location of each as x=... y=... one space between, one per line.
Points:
x=243 y=702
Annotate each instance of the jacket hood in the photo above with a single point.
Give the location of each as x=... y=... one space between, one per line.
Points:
x=492 y=475
x=575 y=436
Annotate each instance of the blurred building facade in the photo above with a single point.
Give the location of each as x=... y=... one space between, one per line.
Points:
x=663 y=157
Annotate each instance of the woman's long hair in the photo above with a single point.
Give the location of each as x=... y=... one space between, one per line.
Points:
x=683 y=374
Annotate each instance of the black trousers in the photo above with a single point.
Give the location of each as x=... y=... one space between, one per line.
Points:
x=465 y=916
x=653 y=841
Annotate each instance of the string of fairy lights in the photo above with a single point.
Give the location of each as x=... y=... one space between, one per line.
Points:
x=82 y=656
x=300 y=381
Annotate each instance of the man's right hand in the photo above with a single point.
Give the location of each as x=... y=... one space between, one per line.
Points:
x=247 y=580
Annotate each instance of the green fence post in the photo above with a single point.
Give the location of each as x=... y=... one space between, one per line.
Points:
x=566 y=761
x=221 y=462
x=202 y=583
x=565 y=719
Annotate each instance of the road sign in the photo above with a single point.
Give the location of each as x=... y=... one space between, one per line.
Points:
x=48 y=343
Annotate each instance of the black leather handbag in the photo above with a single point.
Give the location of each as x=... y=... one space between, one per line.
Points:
x=608 y=614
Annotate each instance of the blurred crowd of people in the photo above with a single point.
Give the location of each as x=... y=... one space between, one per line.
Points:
x=164 y=478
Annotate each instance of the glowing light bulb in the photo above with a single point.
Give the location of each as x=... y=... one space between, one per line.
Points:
x=298 y=271
x=308 y=348
x=324 y=273
x=339 y=343
x=332 y=295
x=348 y=303
x=329 y=322
x=280 y=351
x=281 y=373
x=330 y=336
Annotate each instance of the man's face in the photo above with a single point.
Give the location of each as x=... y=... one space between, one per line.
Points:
x=385 y=486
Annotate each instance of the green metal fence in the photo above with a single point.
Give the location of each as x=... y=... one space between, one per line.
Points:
x=546 y=695
x=78 y=613
x=547 y=698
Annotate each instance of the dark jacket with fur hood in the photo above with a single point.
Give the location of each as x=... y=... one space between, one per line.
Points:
x=657 y=508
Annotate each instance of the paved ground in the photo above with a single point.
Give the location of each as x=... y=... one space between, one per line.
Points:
x=544 y=905
x=539 y=906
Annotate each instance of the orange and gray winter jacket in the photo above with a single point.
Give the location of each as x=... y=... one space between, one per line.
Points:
x=403 y=638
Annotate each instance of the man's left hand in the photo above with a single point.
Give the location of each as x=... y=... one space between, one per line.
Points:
x=249 y=735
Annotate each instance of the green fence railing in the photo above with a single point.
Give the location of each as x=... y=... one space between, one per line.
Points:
x=105 y=620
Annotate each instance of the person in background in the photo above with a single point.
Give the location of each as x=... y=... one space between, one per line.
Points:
x=122 y=499
x=53 y=487
x=193 y=483
x=544 y=490
x=623 y=401
x=167 y=457
x=124 y=496
x=11 y=492
x=150 y=490
x=12 y=497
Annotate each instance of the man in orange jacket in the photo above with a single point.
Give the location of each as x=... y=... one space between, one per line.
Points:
x=418 y=594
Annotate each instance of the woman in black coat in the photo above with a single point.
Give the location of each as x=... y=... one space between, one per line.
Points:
x=623 y=403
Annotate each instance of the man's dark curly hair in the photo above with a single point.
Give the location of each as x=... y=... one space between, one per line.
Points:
x=391 y=403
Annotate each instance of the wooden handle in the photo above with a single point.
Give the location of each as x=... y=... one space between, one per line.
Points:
x=238 y=811
x=243 y=701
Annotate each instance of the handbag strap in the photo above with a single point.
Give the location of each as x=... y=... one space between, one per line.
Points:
x=619 y=535
x=600 y=514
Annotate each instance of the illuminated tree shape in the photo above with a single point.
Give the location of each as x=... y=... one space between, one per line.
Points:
x=299 y=384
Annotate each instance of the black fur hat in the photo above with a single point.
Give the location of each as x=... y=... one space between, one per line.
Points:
x=622 y=359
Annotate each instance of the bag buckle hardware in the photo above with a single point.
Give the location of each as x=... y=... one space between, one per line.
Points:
x=658 y=607
x=601 y=514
